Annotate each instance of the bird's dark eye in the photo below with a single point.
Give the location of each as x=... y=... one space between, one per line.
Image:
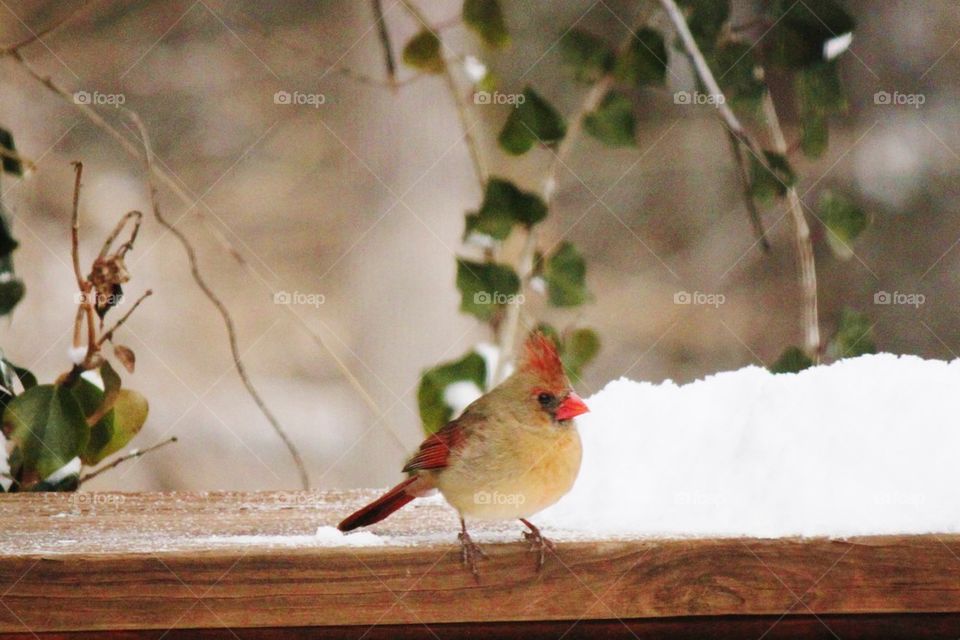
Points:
x=546 y=400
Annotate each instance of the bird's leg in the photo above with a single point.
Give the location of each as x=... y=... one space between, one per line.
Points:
x=538 y=542
x=470 y=551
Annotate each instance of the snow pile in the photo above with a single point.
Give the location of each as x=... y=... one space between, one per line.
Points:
x=864 y=446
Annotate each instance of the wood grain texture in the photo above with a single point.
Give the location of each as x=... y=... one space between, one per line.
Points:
x=241 y=561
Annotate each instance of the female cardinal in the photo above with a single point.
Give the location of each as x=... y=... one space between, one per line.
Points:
x=512 y=453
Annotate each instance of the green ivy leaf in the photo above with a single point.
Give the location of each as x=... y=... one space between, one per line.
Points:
x=579 y=350
x=565 y=273
x=434 y=411
x=792 y=360
x=844 y=221
x=534 y=120
x=423 y=53
x=802 y=28
x=10 y=165
x=819 y=94
x=485 y=287
x=766 y=185
x=612 y=123
x=705 y=19
x=645 y=61
x=588 y=56
x=854 y=336
x=505 y=205
x=486 y=18
x=48 y=426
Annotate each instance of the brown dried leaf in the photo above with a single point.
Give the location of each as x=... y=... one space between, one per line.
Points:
x=126 y=356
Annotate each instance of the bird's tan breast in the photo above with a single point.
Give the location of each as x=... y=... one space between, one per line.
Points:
x=513 y=475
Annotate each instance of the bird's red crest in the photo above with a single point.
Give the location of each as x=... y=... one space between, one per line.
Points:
x=540 y=357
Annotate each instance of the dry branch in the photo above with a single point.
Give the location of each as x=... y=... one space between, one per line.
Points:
x=201 y=282
x=135 y=453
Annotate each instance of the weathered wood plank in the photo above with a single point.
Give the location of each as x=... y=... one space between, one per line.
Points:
x=189 y=561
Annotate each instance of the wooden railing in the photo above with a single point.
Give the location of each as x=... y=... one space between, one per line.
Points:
x=225 y=565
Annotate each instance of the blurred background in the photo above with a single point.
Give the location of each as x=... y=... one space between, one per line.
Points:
x=359 y=202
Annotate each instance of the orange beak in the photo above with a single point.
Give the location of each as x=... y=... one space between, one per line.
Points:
x=571 y=407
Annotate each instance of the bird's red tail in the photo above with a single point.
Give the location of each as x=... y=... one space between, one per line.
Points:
x=379 y=508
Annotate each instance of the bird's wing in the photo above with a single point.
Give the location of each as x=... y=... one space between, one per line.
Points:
x=434 y=453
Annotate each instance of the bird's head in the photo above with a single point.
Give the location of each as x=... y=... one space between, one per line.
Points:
x=541 y=379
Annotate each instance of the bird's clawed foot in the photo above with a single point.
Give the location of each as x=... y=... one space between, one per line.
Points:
x=470 y=551
x=538 y=542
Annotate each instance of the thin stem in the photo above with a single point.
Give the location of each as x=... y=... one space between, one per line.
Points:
x=136 y=453
x=126 y=246
x=805 y=255
x=134 y=151
x=463 y=109
x=75 y=230
x=108 y=335
x=201 y=282
x=713 y=88
x=388 y=60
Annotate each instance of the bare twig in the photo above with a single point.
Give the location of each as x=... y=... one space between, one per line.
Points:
x=85 y=309
x=135 y=453
x=463 y=110
x=126 y=246
x=164 y=177
x=75 y=229
x=168 y=181
x=706 y=76
x=220 y=306
x=388 y=60
x=734 y=127
x=805 y=255
x=108 y=335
